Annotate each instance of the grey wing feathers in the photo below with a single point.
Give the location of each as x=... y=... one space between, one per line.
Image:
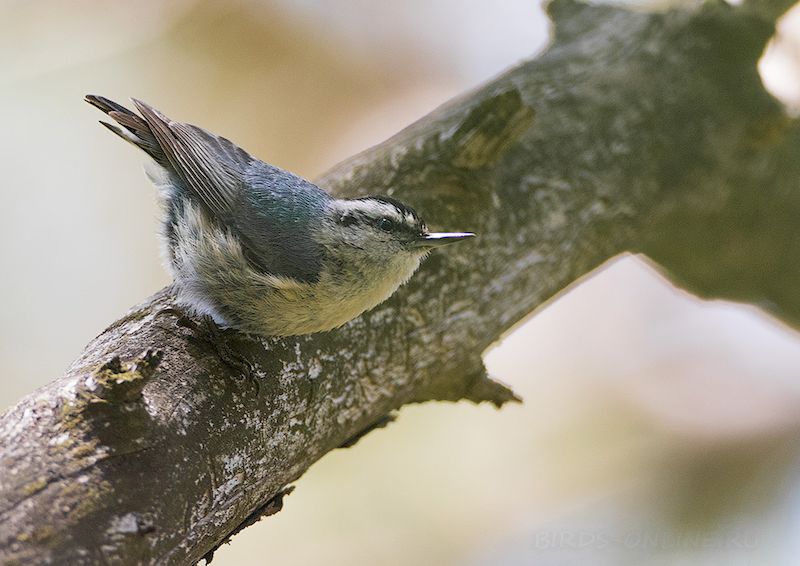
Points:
x=211 y=167
x=218 y=174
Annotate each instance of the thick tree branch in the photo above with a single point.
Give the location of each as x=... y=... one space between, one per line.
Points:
x=641 y=132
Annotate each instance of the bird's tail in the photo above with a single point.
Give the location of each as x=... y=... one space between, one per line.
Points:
x=131 y=127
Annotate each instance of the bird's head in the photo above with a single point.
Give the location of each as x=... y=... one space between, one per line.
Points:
x=381 y=230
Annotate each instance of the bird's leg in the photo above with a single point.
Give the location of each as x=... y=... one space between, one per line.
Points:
x=209 y=333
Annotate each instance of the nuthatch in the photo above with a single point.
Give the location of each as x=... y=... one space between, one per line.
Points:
x=260 y=249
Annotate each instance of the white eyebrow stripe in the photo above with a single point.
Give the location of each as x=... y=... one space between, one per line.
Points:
x=375 y=209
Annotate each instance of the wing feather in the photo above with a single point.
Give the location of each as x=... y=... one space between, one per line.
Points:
x=269 y=210
x=213 y=178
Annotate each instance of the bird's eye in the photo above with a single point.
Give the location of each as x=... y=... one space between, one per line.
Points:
x=385 y=224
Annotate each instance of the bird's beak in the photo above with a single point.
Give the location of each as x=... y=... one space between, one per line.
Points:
x=438 y=239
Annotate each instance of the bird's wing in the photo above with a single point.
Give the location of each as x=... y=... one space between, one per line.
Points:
x=211 y=167
x=261 y=212
x=268 y=209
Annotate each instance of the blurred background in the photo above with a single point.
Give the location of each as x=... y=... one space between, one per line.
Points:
x=656 y=428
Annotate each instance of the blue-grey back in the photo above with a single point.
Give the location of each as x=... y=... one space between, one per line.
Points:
x=271 y=211
x=275 y=216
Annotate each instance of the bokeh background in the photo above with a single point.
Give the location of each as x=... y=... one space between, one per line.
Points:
x=656 y=428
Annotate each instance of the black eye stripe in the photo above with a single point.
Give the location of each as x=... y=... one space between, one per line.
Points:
x=400 y=207
x=398 y=226
x=347 y=220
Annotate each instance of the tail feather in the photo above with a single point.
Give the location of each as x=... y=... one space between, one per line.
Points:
x=208 y=167
x=105 y=104
x=117 y=130
x=132 y=127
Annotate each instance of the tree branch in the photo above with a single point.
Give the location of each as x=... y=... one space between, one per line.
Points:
x=643 y=132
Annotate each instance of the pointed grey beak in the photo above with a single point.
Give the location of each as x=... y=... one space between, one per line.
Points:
x=438 y=239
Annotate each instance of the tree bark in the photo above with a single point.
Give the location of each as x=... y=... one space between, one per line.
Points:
x=648 y=133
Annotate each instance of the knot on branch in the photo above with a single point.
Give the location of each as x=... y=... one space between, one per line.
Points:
x=450 y=160
x=108 y=408
x=474 y=385
x=489 y=128
x=115 y=382
x=576 y=20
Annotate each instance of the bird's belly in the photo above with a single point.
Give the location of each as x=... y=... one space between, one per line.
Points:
x=331 y=302
x=305 y=311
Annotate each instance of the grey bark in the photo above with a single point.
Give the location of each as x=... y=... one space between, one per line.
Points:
x=636 y=132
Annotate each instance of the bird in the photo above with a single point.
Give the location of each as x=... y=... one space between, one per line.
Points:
x=259 y=249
